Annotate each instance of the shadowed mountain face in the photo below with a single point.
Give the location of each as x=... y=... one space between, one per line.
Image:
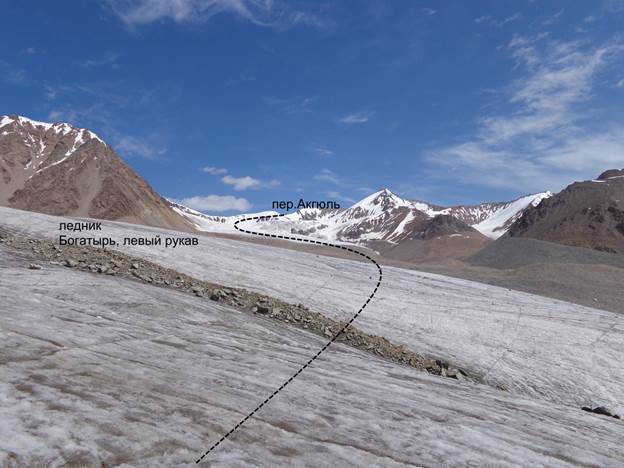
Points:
x=63 y=170
x=445 y=225
x=585 y=214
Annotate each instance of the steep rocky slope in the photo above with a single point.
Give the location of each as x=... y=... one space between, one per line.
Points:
x=63 y=170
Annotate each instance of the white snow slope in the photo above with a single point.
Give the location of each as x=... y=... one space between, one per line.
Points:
x=499 y=221
x=551 y=357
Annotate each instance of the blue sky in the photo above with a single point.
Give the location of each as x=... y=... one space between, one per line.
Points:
x=230 y=104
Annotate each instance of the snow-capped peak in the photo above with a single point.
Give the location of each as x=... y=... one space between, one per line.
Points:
x=60 y=128
x=49 y=144
x=383 y=198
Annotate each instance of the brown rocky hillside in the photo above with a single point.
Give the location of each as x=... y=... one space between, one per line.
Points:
x=63 y=170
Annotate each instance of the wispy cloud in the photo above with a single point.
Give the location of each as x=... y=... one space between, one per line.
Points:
x=543 y=139
x=31 y=51
x=356 y=118
x=97 y=117
x=429 y=11
x=516 y=16
x=13 y=75
x=523 y=49
x=292 y=105
x=248 y=183
x=338 y=196
x=50 y=92
x=128 y=145
x=105 y=102
x=94 y=113
x=214 y=170
x=277 y=14
x=497 y=22
x=326 y=175
x=550 y=19
x=620 y=84
x=322 y=151
x=216 y=203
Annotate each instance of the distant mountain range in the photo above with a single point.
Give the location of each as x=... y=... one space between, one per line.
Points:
x=384 y=217
x=64 y=170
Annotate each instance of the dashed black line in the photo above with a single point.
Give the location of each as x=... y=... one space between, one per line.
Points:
x=327 y=345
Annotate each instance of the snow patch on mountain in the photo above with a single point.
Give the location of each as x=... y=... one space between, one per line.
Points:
x=82 y=134
x=499 y=221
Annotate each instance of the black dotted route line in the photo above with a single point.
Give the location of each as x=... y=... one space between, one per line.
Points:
x=313 y=358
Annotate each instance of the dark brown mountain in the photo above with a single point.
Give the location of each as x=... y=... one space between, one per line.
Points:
x=440 y=237
x=444 y=225
x=584 y=214
x=63 y=170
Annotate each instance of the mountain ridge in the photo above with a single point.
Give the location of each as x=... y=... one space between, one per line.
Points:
x=381 y=216
x=59 y=169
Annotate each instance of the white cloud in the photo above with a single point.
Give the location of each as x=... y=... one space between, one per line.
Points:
x=272 y=13
x=481 y=19
x=216 y=203
x=356 y=118
x=248 y=183
x=545 y=138
x=620 y=84
x=429 y=11
x=241 y=183
x=324 y=151
x=214 y=170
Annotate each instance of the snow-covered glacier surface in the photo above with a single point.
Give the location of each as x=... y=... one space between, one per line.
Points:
x=133 y=370
x=97 y=371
